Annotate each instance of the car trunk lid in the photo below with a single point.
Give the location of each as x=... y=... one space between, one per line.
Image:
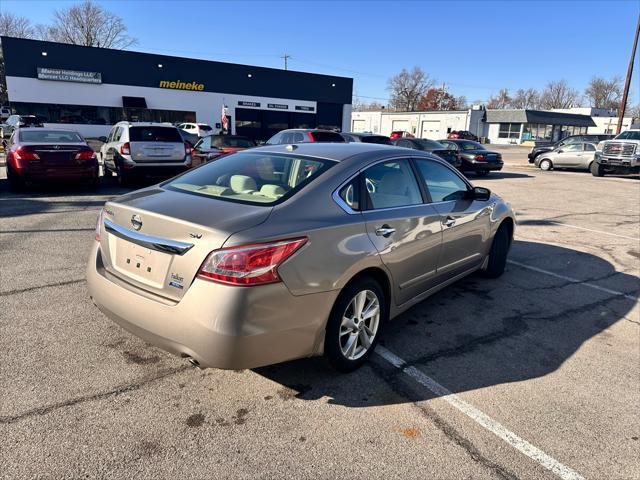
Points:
x=157 y=152
x=57 y=155
x=157 y=239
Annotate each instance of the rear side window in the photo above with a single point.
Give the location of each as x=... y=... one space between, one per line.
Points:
x=392 y=184
x=381 y=140
x=251 y=177
x=154 y=134
x=350 y=194
x=236 y=142
x=206 y=128
x=589 y=147
x=327 y=137
x=30 y=120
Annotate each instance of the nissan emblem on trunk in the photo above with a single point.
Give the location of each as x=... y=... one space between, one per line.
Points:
x=136 y=221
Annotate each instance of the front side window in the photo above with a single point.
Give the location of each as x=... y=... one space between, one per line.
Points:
x=392 y=184
x=574 y=147
x=251 y=177
x=443 y=184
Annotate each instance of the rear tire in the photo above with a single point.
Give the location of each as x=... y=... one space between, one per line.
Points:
x=498 y=253
x=16 y=184
x=124 y=179
x=348 y=331
x=596 y=169
x=545 y=165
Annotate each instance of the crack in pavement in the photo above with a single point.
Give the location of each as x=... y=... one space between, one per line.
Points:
x=29 y=289
x=39 y=411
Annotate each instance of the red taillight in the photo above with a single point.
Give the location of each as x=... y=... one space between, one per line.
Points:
x=479 y=158
x=311 y=139
x=98 y=225
x=24 y=153
x=87 y=154
x=125 y=149
x=249 y=265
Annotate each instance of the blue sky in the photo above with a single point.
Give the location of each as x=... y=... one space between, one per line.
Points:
x=475 y=47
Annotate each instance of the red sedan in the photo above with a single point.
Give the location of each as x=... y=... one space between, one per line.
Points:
x=36 y=155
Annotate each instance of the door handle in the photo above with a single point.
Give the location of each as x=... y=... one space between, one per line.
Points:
x=385 y=230
x=449 y=221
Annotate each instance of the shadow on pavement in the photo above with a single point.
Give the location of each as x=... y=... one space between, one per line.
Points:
x=478 y=332
x=498 y=176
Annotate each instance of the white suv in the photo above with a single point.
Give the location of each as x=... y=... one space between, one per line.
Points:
x=140 y=149
x=200 y=129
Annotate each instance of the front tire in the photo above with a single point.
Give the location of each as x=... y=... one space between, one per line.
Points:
x=354 y=324
x=545 y=165
x=498 y=253
x=596 y=169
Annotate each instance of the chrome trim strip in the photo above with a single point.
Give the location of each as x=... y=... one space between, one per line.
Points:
x=148 y=241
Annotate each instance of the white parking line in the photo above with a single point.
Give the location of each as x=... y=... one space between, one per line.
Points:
x=591 y=230
x=572 y=280
x=481 y=418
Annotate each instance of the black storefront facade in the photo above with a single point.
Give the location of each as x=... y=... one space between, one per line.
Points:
x=93 y=88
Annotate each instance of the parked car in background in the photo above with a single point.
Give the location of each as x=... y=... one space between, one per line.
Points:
x=475 y=157
x=273 y=253
x=432 y=146
x=214 y=146
x=42 y=154
x=575 y=155
x=199 y=129
x=620 y=155
x=305 y=135
x=366 y=138
x=542 y=147
x=401 y=133
x=462 y=135
x=136 y=149
x=19 y=121
x=5 y=112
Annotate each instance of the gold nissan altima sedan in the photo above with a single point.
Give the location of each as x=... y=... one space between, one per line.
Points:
x=291 y=251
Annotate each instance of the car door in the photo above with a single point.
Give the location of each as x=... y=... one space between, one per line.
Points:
x=466 y=222
x=588 y=155
x=405 y=230
x=568 y=155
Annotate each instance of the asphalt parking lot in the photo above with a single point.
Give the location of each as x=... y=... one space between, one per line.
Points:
x=533 y=375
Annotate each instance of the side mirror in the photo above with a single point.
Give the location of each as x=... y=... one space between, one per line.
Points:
x=481 y=193
x=103 y=139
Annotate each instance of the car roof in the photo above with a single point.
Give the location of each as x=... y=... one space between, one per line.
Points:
x=340 y=152
x=365 y=134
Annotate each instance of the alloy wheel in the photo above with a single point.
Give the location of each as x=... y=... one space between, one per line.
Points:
x=359 y=326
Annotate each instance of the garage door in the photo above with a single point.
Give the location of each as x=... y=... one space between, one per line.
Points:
x=400 y=125
x=430 y=129
x=358 y=126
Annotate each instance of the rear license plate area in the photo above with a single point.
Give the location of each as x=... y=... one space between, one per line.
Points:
x=142 y=264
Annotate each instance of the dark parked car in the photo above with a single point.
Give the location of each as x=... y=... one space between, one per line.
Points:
x=46 y=154
x=462 y=135
x=366 y=138
x=190 y=138
x=543 y=147
x=18 y=121
x=214 y=146
x=430 y=146
x=304 y=135
x=475 y=157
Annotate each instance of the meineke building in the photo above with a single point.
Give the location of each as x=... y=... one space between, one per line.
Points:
x=89 y=89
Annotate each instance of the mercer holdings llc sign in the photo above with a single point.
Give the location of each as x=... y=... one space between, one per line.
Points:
x=180 y=85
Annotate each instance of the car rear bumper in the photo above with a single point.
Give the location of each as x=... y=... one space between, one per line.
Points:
x=57 y=173
x=473 y=165
x=217 y=325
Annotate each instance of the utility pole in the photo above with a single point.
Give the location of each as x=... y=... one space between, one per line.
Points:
x=286 y=58
x=442 y=94
x=623 y=104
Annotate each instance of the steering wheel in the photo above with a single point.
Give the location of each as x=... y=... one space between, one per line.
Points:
x=371 y=187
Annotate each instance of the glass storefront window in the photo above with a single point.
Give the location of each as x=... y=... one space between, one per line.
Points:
x=509 y=130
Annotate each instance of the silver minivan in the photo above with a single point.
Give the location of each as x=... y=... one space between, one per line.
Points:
x=136 y=149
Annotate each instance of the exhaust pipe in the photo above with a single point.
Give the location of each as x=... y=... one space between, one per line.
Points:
x=192 y=361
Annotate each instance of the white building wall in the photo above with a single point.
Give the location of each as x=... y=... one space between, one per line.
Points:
x=609 y=124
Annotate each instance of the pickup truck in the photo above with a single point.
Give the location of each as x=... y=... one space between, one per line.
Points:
x=620 y=155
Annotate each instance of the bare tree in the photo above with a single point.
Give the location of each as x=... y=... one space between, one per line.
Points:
x=634 y=112
x=91 y=25
x=603 y=93
x=558 y=94
x=407 y=87
x=500 y=101
x=529 y=98
x=462 y=103
x=15 y=26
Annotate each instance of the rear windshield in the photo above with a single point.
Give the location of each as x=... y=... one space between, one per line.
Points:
x=233 y=142
x=380 y=139
x=45 y=136
x=629 y=135
x=471 y=146
x=430 y=144
x=154 y=134
x=251 y=177
x=204 y=127
x=327 y=137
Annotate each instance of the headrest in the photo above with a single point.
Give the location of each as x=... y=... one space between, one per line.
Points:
x=242 y=184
